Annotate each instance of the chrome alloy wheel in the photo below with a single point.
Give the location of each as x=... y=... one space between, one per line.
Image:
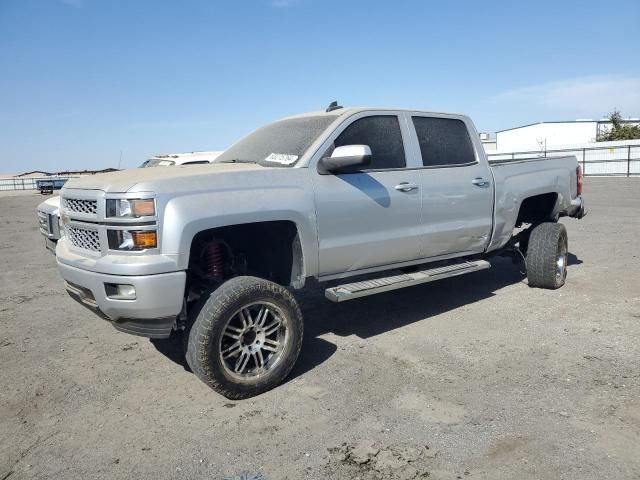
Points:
x=253 y=340
x=561 y=259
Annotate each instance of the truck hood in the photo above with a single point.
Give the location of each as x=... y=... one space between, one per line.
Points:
x=126 y=180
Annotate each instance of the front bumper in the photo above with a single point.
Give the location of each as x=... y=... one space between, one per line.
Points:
x=152 y=314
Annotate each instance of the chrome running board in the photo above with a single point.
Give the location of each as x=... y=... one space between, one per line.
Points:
x=364 y=288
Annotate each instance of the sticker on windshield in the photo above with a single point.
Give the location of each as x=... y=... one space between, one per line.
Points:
x=281 y=158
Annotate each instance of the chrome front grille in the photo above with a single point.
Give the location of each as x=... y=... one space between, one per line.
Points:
x=89 y=207
x=83 y=238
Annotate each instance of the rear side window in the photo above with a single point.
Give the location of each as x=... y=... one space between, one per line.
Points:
x=382 y=134
x=443 y=141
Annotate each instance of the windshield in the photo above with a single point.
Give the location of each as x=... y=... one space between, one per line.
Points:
x=279 y=144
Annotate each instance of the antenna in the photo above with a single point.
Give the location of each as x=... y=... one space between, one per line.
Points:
x=333 y=106
x=120 y=161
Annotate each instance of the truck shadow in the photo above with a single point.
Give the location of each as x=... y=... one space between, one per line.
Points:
x=172 y=349
x=370 y=316
x=573 y=260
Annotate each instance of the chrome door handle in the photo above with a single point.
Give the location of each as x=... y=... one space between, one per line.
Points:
x=406 y=187
x=480 y=182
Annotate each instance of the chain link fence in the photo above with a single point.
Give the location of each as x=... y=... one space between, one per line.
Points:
x=28 y=183
x=607 y=161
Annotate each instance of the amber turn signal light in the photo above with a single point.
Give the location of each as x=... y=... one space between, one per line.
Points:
x=144 y=239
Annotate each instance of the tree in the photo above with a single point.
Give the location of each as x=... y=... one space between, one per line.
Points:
x=619 y=130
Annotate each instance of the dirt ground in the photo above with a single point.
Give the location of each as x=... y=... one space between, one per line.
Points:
x=473 y=377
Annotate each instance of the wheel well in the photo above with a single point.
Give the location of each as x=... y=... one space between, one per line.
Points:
x=269 y=250
x=537 y=209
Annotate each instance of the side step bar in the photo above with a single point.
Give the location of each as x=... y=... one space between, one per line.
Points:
x=350 y=291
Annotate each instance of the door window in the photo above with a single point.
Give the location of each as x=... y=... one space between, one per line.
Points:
x=382 y=134
x=444 y=142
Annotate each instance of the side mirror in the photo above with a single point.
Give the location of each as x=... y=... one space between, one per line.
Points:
x=345 y=156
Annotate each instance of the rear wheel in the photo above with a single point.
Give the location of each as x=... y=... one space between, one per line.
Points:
x=246 y=337
x=547 y=254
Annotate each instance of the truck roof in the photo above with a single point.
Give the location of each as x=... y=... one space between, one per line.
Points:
x=353 y=110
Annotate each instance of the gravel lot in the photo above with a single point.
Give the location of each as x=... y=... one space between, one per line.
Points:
x=498 y=380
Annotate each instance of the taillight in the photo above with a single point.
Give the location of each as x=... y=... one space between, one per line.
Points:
x=579 y=178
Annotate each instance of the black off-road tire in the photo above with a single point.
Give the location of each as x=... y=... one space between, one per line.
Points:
x=547 y=255
x=203 y=348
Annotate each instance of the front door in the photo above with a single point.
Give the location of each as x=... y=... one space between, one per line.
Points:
x=371 y=217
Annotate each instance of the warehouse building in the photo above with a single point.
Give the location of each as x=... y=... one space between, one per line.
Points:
x=488 y=143
x=553 y=135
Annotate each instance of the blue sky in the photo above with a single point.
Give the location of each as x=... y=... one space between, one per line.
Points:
x=83 y=80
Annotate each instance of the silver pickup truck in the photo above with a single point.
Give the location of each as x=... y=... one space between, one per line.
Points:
x=403 y=197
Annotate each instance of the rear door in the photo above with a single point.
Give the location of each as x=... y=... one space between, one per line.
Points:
x=456 y=186
x=370 y=217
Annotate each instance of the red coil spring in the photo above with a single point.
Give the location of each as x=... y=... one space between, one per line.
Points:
x=214 y=261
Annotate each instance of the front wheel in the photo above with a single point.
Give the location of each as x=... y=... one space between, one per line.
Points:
x=547 y=254
x=246 y=337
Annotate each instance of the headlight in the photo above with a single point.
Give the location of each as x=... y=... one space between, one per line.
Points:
x=132 y=239
x=131 y=208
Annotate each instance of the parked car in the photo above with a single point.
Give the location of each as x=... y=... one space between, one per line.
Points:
x=47 y=186
x=47 y=210
x=49 y=221
x=173 y=159
x=405 y=197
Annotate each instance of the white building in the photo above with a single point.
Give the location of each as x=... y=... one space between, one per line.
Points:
x=488 y=143
x=553 y=135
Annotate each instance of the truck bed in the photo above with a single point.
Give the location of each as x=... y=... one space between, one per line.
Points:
x=518 y=179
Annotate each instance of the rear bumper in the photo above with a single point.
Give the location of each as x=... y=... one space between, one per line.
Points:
x=158 y=299
x=577 y=209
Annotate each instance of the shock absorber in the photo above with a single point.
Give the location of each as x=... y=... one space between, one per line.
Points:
x=214 y=261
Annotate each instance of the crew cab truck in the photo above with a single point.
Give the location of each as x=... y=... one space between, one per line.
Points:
x=406 y=197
